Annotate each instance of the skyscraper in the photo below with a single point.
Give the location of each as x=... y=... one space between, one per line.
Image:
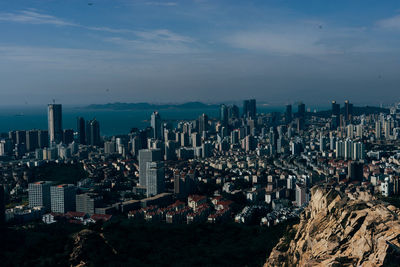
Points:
x=223 y=114
x=32 y=141
x=54 y=116
x=93 y=133
x=43 y=138
x=249 y=108
x=288 y=113
x=335 y=114
x=63 y=198
x=203 y=123
x=301 y=110
x=147 y=155
x=156 y=125
x=88 y=203
x=155 y=178
x=81 y=129
x=68 y=136
x=39 y=195
x=348 y=111
x=233 y=112
x=335 y=108
x=20 y=137
x=355 y=171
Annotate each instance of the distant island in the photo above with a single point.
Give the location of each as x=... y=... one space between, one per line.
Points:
x=141 y=106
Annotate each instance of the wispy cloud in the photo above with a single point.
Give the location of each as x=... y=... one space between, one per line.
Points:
x=155 y=40
x=156 y=45
x=33 y=17
x=154 y=3
x=163 y=34
x=390 y=23
x=283 y=43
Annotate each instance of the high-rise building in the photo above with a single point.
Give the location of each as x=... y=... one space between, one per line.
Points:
x=81 y=129
x=155 y=178
x=93 y=133
x=223 y=114
x=88 y=203
x=203 y=123
x=156 y=125
x=355 y=171
x=348 y=111
x=147 y=155
x=249 y=108
x=196 y=140
x=335 y=108
x=54 y=116
x=322 y=143
x=39 y=195
x=32 y=140
x=288 y=113
x=63 y=198
x=68 y=136
x=301 y=110
x=302 y=195
x=43 y=138
x=233 y=112
x=358 y=151
x=378 y=130
x=335 y=114
x=20 y=137
x=6 y=147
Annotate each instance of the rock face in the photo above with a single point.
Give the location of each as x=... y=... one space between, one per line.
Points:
x=339 y=229
x=90 y=249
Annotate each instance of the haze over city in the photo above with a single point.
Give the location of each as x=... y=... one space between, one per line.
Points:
x=84 y=52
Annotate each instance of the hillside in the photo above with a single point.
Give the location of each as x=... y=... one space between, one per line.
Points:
x=341 y=229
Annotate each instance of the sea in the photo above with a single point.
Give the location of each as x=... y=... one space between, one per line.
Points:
x=112 y=122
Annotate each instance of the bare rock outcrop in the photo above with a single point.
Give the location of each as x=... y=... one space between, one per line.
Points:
x=339 y=229
x=87 y=247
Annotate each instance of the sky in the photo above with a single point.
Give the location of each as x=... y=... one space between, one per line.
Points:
x=279 y=52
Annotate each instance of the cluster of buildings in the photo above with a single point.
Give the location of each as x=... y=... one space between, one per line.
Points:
x=265 y=164
x=198 y=209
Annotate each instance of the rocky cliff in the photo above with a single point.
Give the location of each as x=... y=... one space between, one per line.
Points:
x=91 y=249
x=341 y=229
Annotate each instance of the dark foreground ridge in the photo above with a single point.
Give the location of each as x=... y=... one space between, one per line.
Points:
x=122 y=242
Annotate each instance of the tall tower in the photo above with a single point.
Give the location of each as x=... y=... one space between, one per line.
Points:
x=301 y=110
x=54 y=116
x=288 y=113
x=156 y=125
x=223 y=110
x=155 y=180
x=203 y=123
x=348 y=111
x=147 y=155
x=93 y=133
x=249 y=108
x=81 y=130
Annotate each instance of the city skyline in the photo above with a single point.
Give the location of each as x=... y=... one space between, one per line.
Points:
x=153 y=51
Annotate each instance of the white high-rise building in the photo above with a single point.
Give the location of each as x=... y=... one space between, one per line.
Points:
x=147 y=155
x=39 y=195
x=155 y=178
x=54 y=116
x=63 y=198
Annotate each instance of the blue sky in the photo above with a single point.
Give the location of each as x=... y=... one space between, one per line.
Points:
x=199 y=50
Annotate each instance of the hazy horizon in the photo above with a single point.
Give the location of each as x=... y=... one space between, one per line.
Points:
x=201 y=50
